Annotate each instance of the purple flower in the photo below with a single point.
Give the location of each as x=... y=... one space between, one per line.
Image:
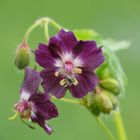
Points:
x=33 y=105
x=69 y=64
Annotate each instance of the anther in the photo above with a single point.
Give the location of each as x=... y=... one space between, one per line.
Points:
x=77 y=70
x=56 y=73
x=75 y=82
x=62 y=82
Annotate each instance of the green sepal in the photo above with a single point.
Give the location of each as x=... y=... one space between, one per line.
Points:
x=89 y=103
x=113 y=99
x=103 y=102
x=111 y=85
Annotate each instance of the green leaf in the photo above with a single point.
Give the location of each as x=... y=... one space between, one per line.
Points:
x=116 y=45
x=87 y=34
x=112 y=69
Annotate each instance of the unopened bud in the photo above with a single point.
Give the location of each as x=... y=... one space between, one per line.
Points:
x=89 y=103
x=111 y=85
x=103 y=102
x=113 y=99
x=22 y=56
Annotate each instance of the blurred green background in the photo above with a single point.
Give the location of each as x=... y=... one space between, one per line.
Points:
x=119 y=19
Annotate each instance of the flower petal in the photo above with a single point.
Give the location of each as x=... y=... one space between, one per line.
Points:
x=44 y=57
x=31 y=82
x=90 y=56
x=86 y=83
x=43 y=106
x=51 y=83
x=38 y=119
x=62 y=42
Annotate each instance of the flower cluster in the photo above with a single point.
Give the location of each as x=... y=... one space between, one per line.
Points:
x=68 y=64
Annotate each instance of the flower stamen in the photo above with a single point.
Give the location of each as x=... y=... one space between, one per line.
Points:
x=75 y=82
x=77 y=70
x=56 y=73
x=63 y=82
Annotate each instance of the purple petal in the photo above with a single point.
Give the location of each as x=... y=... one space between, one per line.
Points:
x=91 y=56
x=31 y=82
x=62 y=42
x=44 y=57
x=87 y=81
x=51 y=83
x=43 y=106
x=38 y=119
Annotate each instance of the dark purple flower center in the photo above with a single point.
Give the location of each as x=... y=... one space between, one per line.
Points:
x=24 y=108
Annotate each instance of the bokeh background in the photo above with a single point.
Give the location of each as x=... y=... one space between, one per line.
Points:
x=119 y=19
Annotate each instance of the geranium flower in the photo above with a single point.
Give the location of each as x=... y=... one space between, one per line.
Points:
x=69 y=64
x=33 y=105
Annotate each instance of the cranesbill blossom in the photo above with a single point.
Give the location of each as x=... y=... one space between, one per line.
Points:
x=33 y=105
x=69 y=64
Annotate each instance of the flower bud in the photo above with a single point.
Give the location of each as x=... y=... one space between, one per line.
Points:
x=89 y=103
x=111 y=85
x=113 y=99
x=103 y=102
x=94 y=108
x=22 y=56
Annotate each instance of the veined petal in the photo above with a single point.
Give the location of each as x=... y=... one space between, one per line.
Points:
x=31 y=82
x=44 y=57
x=90 y=56
x=87 y=81
x=63 y=42
x=42 y=106
x=51 y=83
x=38 y=119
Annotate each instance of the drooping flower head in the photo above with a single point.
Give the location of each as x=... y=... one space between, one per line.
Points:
x=69 y=64
x=33 y=105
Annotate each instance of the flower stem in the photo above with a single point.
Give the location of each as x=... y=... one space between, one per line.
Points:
x=30 y=29
x=119 y=126
x=100 y=122
x=56 y=25
x=105 y=128
x=66 y=100
x=46 y=31
x=45 y=21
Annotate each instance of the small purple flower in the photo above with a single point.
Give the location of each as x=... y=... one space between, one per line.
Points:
x=33 y=105
x=69 y=64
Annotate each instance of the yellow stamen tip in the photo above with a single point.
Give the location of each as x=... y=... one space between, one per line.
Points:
x=62 y=82
x=56 y=74
x=77 y=70
x=75 y=82
x=14 y=116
